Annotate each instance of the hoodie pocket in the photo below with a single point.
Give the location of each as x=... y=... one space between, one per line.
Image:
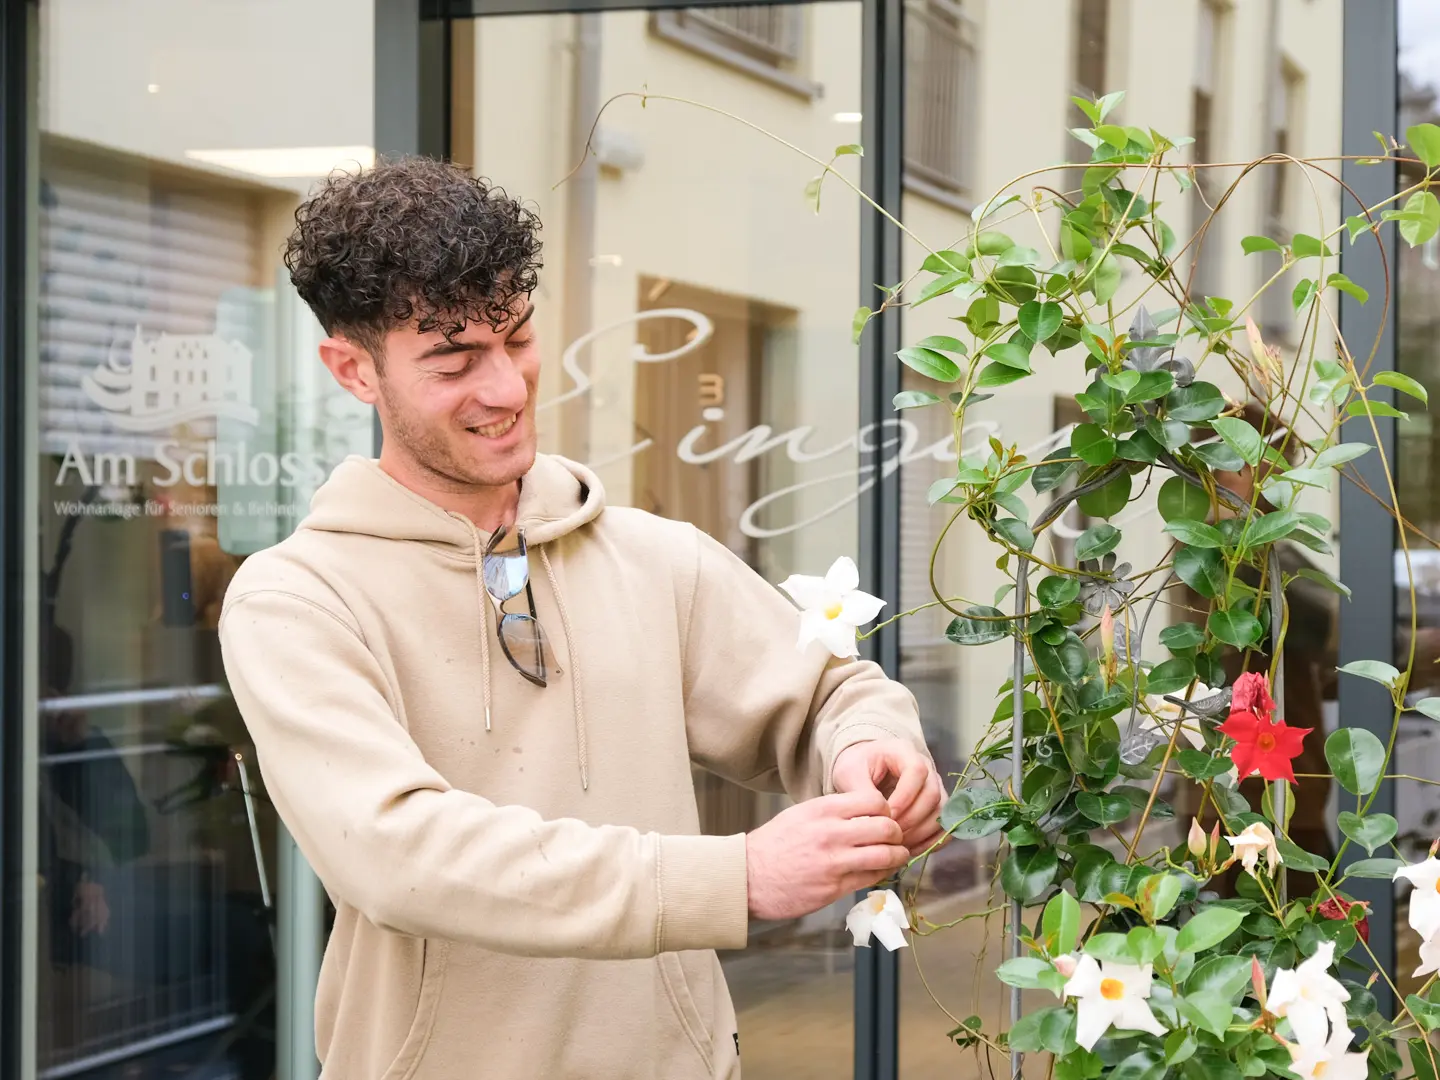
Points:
x=688 y=1012
x=434 y=957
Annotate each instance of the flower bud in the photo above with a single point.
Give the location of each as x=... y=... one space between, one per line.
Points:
x=1065 y=965
x=1196 y=840
x=1107 y=634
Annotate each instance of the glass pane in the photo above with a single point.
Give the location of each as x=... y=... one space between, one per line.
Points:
x=962 y=97
x=1417 y=748
x=183 y=423
x=697 y=318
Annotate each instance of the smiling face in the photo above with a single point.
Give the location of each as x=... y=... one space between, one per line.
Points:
x=458 y=414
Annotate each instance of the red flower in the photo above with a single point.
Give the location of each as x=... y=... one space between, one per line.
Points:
x=1263 y=747
x=1251 y=694
x=1336 y=908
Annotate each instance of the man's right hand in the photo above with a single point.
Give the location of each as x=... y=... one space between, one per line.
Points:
x=812 y=854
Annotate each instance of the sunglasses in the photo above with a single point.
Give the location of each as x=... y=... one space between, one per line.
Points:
x=506 y=577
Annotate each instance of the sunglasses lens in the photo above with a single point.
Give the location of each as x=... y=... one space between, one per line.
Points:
x=506 y=575
x=527 y=648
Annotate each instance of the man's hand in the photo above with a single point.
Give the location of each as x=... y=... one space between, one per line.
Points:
x=905 y=777
x=812 y=854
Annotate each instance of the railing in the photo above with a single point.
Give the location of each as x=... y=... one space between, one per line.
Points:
x=771 y=33
x=939 y=94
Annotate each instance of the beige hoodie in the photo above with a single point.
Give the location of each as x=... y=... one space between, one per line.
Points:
x=527 y=898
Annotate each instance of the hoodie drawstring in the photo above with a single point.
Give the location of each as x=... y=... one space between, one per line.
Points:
x=482 y=594
x=581 y=739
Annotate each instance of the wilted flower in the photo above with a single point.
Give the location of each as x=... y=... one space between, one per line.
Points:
x=1144 y=358
x=1103 y=584
x=832 y=607
x=1255 y=840
x=881 y=914
x=1338 y=908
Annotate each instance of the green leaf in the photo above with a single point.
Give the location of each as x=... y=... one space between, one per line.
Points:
x=972 y=813
x=1104 y=809
x=1224 y=976
x=1011 y=354
x=991 y=242
x=1309 y=573
x=930 y=363
x=1362 y=407
x=1194 y=533
x=857 y=325
x=1201 y=569
x=1208 y=1012
x=982 y=627
x=943 y=343
x=1371 y=831
x=1297 y=858
x=1109 y=500
x=1219 y=456
x=1051 y=1030
x=1405 y=384
x=1180 y=1046
x=1424 y=139
x=1171 y=434
x=1027 y=972
x=1016 y=532
x=1122 y=381
x=1039 y=320
x=946 y=262
x=1028 y=872
x=1209 y=928
x=1345 y=285
x=1356 y=224
x=1161 y=891
x=1198 y=401
x=1429 y=706
x=1091 y=445
x=1241 y=437
x=1074 y=244
x=1252 y=244
x=1096 y=541
x=1374 y=670
x=1110 y=946
x=1106 y=281
x=1051 y=472
x=1181 y=499
x=1170 y=677
x=1374 y=869
x=1150 y=385
x=1181 y=636
x=1057 y=590
x=1064 y=663
x=999 y=375
x=1061 y=924
x=1304 y=290
x=944 y=284
x=1426 y=1013
x=1357 y=759
x=1421 y=1053
x=1338 y=455
x=1235 y=627
x=914 y=399
x=1309 y=247
x=1419 y=218
x=1139 y=447
x=1271 y=527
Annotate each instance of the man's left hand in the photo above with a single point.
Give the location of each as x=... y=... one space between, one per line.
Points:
x=907 y=779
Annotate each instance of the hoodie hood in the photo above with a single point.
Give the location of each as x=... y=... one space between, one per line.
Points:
x=557 y=496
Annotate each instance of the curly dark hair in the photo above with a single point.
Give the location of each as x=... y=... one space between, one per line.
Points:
x=411 y=240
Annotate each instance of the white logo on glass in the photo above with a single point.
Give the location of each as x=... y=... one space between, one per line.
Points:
x=173 y=379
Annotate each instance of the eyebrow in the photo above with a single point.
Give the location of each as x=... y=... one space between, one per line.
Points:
x=448 y=348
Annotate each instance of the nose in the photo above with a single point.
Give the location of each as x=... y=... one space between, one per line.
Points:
x=501 y=386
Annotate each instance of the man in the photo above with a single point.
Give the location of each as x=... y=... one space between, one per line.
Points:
x=476 y=694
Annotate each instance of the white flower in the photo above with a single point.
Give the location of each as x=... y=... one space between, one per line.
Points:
x=881 y=914
x=832 y=607
x=1329 y=1061
x=1308 y=996
x=1425 y=900
x=1254 y=841
x=1429 y=957
x=1111 y=995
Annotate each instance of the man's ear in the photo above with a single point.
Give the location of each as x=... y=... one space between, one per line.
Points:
x=352 y=367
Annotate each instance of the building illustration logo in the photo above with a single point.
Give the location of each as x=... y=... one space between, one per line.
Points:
x=173 y=379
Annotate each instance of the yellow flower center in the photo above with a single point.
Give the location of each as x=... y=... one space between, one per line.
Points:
x=1112 y=989
x=1319 y=1069
x=834 y=610
x=1437 y=884
x=877 y=902
x=1266 y=742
